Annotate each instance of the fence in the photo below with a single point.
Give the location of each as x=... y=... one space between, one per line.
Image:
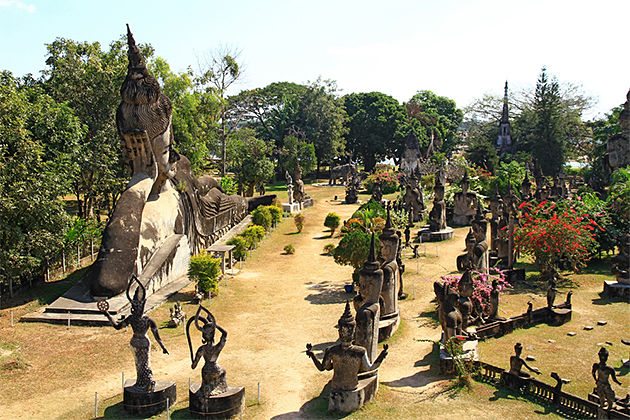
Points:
x=568 y=404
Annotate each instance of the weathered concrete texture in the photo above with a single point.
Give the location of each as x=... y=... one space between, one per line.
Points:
x=349 y=401
x=615 y=289
x=427 y=235
x=387 y=326
x=222 y=406
x=147 y=404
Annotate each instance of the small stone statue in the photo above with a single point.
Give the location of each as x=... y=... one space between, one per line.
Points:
x=621 y=262
x=212 y=375
x=345 y=359
x=448 y=314
x=480 y=251
x=494 y=302
x=407 y=235
x=198 y=296
x=517 y=363
x=437 y=215
x=465 y=261
x=601 y=372
x=466 y=290
x=551 y=291
x=177 y=315
x=377 y=193
x=298 y=193
x=464 y=203
x=289 y=186
x=140 y=325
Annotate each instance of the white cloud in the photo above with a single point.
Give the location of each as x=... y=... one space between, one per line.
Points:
x=30 y=8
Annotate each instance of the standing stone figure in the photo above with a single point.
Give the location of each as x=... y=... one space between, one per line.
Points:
x=212 y=375
x=140 y=325
x=465 y=203
x=366 y=304
x=289 y=186
x=391 y=277
x=601 y=372
x=437 y=215
x=480 y=252
x=494 y=302
x=551 y=292
x=448 y=314
x=621 y=262
x=466 y=290
x=346 y=360
x=465 y=261
x=377 y=193
x=298 y=193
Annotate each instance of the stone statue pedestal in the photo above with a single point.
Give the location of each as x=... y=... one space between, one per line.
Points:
x=387 y=326
x=614 y=289
x=146 y=404
x=559 y=316
x=349 y=401
x=427 y=235
x=291 y=207
x=222 y=406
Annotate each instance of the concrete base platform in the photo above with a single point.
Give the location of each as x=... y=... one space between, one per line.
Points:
x=222 y=406
x=470 y=352
x=148 y=404
x=615 y=289
x=348 y=401
x=559 y=316
x=387 y=326
x=426 y=235
x=291 y=208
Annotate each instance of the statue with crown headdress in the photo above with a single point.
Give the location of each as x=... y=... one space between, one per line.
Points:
x=437 y=230
x=465 y=203
x=144 y=396
x=390 y=315
x=213 y=398
x=348 y=392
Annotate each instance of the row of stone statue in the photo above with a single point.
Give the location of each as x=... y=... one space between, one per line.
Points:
x=145 y=395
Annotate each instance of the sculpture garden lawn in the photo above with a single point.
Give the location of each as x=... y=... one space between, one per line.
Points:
x=277 y=304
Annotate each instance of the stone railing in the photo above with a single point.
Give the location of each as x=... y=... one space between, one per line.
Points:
x=568 y=404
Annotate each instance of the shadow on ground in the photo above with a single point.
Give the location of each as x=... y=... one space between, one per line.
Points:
x=316 y=408
x=327 y=293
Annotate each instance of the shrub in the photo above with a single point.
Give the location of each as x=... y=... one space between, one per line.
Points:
x=276 y=213
x=240 y=247
x=289 y=249
x=353 y=249
x=332 y=222
x=555 y=236
x=229 y=185
x=329 y=249
x=371 y=206
x=253 y=234
x=388 y=178
x=262 y=217
x=482 y=284
x=204 y=269
x=298 y=219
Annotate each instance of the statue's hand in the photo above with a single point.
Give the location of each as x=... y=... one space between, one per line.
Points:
x=309 y=349
x=164 y=350
x=536 y=370
x=385 y=351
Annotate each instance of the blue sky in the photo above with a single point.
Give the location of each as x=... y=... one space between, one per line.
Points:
x=460 y=49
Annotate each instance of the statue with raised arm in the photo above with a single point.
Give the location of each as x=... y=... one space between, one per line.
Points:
x=517 y=363
x=212 y=375
x=346 y=360
x=601 y=373
x=140 y=325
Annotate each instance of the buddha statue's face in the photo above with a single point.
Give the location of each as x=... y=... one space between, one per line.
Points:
x=370 y=285
x=346 y=333
x=161 y=149
x=389 y=248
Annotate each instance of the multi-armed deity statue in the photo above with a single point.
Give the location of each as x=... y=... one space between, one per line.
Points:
x=213 y=398
x=155 y=227
x=348 y=392
x=144 y=390
x=465 y=204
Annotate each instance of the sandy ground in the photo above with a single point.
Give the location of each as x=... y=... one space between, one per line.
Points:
x=271 y=309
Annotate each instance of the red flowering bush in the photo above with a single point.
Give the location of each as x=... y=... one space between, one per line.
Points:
x=388 y=179
x=555 y=236
x=482 y=285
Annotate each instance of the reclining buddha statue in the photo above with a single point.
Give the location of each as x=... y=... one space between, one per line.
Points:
x=165 y=214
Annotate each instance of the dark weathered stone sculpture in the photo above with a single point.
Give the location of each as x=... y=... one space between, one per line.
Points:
x=494 y=303
x=551 y=292
x=377 y=193
x=345 y=172
x=366 y=304
x=517 y=363
x=155 y=227
x=145 y=396
x=465 y=204
x=621 y=262
x=412 y=158
x=466 y=260
x=480 y=251
x=618 y=147
x=448 y=313
x=437 y=215
x=390 y=316
x=346 y=360
x=213 y=396
x=352 y=189
x=526 y=188
x=601 y=374
x=178 y=316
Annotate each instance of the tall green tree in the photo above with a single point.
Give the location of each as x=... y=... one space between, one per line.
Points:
x=439 y=117
x=377 y=125
x=249 y=159
x=34 y=133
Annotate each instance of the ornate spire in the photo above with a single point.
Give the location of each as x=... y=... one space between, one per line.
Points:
x=372 y=263
x=389 y=232
x=505 y=117
x=346 y=317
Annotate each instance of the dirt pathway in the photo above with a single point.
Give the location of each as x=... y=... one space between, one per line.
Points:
x=271 y=309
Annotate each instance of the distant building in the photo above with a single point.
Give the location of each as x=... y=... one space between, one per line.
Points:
x=504 y=141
